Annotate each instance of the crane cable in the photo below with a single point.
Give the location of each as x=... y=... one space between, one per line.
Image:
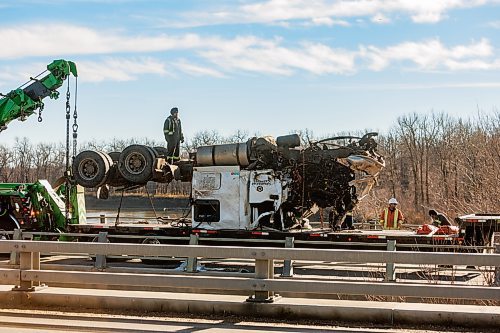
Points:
x=67 y=189
x=303 y=187
x=75 y=122
x=75 y=135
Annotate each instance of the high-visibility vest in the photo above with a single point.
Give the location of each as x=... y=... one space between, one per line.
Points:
x=395 y=222
x=172 y=125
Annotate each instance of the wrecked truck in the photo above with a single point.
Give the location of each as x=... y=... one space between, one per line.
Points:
x=265 y=182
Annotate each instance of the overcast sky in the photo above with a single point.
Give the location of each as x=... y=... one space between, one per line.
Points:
x=264 y=66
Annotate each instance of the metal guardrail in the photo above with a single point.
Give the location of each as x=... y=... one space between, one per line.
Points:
x=263 y=285
x=194 y=239
x=267 y=253
x=112 y=237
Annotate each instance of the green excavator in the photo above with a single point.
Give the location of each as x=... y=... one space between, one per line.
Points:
x=38 y=206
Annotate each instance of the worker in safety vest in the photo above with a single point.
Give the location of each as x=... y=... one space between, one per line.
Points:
x=391 y=217
x=438 y=219
x=172 y=130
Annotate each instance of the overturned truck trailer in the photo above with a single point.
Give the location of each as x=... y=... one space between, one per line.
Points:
x=263 y=182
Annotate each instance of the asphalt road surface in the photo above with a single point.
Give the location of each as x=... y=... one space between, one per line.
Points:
x=20 y=321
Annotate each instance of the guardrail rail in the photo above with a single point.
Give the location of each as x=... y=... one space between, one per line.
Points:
x=263 y=286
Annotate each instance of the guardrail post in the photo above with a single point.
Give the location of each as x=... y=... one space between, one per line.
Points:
x=497 y=269
x=36 y=266
x=102 y=219
x=288 y=264
x=27 y=261
x=390 y=268
x=192 y=262
x=100 y=259
x=264 y=269
x=14 y=255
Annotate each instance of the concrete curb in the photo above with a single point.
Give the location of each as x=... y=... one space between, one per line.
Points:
x=390 y=313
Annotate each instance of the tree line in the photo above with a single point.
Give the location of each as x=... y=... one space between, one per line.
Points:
x=432 y=161
x=442 y=162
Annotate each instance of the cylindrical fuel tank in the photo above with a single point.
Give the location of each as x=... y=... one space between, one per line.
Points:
x=290 y=141
x=227 y=154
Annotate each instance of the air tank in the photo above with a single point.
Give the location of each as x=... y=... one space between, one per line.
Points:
x=226 y=154
x=290 y=141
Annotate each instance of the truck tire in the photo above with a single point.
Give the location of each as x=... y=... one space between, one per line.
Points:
x=115 y=156
x=8 y=222
x=106 y=157
x=151 y=239
x=161 y=151
x=90 y=168
x=136 y=164
x=115 y=178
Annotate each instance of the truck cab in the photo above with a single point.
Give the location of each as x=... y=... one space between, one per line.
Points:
x=228 y=197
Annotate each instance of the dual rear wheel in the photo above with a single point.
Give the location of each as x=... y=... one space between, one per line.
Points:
x=135 y=164
x=91 y=168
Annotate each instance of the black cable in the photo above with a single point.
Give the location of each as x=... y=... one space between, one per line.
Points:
x=119 y=209
x=151 y=201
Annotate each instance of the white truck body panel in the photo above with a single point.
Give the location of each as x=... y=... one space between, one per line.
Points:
x=237 y=194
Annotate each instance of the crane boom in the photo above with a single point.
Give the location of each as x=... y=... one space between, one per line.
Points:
x=23 y=102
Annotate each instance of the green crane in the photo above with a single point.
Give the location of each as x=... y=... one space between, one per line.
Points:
x=37 y=206
x=23 y=102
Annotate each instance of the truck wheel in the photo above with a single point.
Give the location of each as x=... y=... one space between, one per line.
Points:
x=115 y=156
x=90 y=168
x=136 y=164
x=153 y=151
x=107 y=158
x=8 y=222
x=161 y=151
x=151 y=261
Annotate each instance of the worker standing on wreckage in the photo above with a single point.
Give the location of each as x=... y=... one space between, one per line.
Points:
x=172 y=129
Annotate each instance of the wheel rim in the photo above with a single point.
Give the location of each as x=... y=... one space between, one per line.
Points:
x=88 y=169
x=151 y=241
x=135 y=163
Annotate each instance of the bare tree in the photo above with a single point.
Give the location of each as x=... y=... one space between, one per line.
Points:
x=23 y=157
x=204 y=138
x=433 y=160
x=6 y=163
x=306 y=136
x=238 y=136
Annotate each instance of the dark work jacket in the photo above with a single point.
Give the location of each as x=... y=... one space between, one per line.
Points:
x=172 y=129
x=440 y=220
